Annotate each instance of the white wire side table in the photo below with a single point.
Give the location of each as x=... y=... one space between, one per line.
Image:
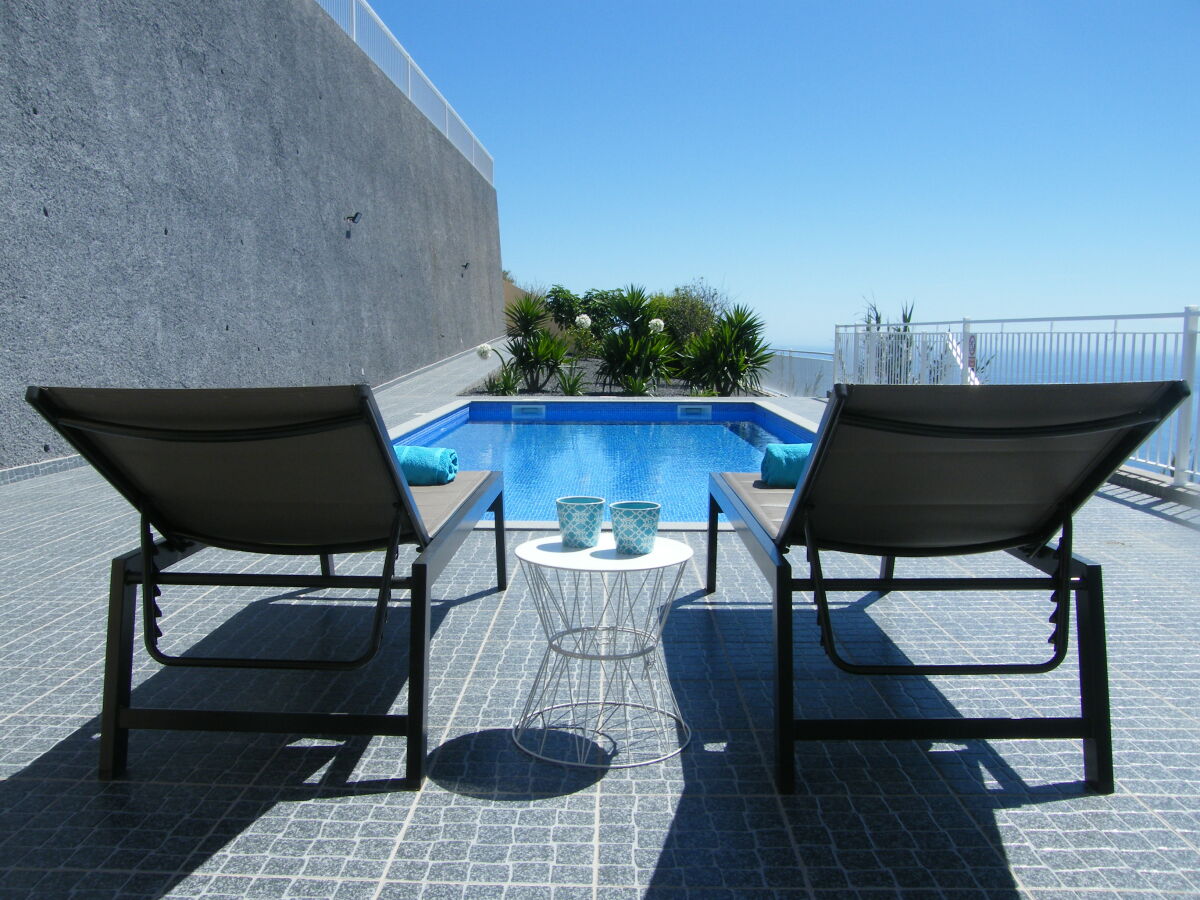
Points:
x=601 y=698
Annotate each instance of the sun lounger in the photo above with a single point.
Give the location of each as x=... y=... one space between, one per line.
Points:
x=289 y=471
x=924 y=471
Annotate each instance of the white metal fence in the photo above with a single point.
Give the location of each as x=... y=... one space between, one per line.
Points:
x=1078 y=349
x=368 y=31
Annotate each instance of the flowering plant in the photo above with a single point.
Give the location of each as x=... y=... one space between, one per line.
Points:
x=655 y=326
x=583 y=320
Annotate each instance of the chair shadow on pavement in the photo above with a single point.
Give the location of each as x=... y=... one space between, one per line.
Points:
x=867 y=815
x=187 y=795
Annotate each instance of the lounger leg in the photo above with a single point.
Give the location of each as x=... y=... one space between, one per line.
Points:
x=327 y=565
x=1093 y=682
x=785 y=710
x=710 y=576
x=418 y=688
x=501 y=559
x=887 y=571
x=118 y=666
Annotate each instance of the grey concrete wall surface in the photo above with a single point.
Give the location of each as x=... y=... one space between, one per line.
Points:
x=177 y=180
x=799 y=376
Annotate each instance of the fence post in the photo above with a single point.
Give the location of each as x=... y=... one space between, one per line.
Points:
x=962 y=350
x=1187 y=371
x=840 y=353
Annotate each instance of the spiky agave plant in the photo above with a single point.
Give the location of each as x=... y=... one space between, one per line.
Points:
x=625 y=354
x=729 y=358
x=526 y=316
x=630 y=309
x=570 y=381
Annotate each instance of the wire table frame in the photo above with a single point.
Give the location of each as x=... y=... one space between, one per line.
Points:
x=601 y=697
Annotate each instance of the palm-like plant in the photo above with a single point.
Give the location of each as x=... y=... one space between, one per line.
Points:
x=625 y=355
x=889 y=356
x=729 y=358
x=533 y=352
x=537 y=358
x=570 y=381
x=504 y=381
x=526 y=316
x=630 y=309
x=636 y=353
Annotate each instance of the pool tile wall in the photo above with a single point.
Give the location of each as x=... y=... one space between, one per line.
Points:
x=605 y=412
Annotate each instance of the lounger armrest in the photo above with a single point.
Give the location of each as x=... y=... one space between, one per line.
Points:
x=440 y=550
x=752 y=532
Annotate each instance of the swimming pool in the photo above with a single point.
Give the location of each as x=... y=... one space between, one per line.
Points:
x=660 y=451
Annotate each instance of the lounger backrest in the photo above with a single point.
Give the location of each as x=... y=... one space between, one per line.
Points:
x=912 y=470
x=284 y=470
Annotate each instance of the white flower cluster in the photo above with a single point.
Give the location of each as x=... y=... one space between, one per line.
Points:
x=583 y=320
x=656 y=326
x=484 y=350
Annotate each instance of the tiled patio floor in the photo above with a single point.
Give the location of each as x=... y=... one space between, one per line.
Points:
x=209 y=815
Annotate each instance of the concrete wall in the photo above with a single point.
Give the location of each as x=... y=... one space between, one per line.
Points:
x=177 y=177
x=795 y=374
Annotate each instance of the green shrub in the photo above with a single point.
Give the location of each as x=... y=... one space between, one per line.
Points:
x=638 y=387
x=705 y=294
x=565 y=308
x=685 y=314
x=596 y=304
x=570 y=381
x=729 y=358
x=504 y=382
x=584 y=344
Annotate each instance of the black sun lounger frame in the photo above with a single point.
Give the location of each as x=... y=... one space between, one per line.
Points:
x=103 y=425
x=1109 y=421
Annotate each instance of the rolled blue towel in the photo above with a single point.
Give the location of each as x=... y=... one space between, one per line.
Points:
x=427 y=465
x=783 y=465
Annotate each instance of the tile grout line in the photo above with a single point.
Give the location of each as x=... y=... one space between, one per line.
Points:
x=478 y=655
x=754 y=736
x=383 y=880
x=596 y=843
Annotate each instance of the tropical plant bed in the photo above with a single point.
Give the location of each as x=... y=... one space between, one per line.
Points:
x=593 y=387
x=628 y=350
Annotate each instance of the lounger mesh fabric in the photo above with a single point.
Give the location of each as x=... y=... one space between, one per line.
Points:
x=885 y=491
x=292 y=494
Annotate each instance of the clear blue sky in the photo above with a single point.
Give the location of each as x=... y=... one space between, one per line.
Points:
x=979 y=158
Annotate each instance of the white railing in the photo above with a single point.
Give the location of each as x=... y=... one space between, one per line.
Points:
x=368 y=31
x=1077 y=349
x=799 y=373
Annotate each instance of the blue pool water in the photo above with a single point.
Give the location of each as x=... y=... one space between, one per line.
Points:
x=595 y=449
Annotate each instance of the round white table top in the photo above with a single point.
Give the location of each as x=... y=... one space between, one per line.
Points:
x=549 y=551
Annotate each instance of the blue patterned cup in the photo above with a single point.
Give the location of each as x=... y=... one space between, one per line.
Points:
x=634 y=525
x=579 y=520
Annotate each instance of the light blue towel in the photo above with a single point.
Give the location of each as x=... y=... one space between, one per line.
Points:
x=784 y=465
x=427 y=465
